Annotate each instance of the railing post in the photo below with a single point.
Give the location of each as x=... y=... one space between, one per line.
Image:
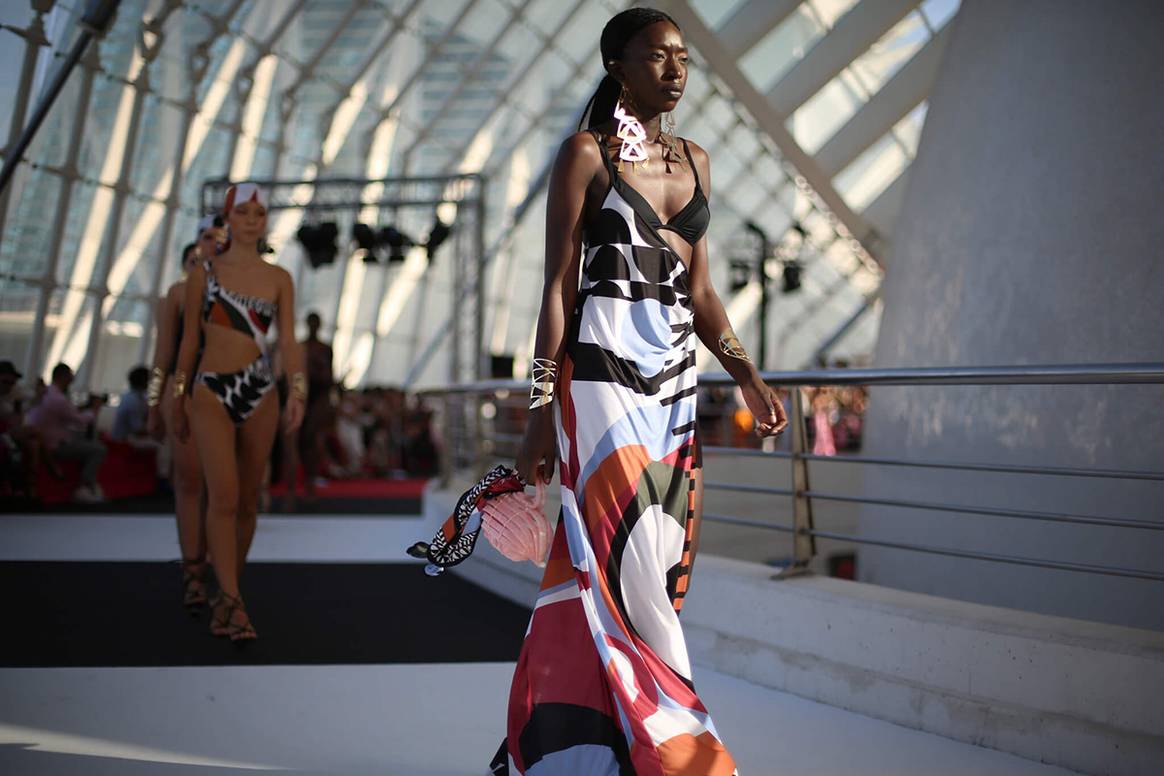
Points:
x=450 y=444
x=803 y=542
x=478 y=431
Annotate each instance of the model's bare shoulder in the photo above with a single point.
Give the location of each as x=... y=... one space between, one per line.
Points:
x=281 y=276
x=702 y=162
x=698 y=153
x=580 y=150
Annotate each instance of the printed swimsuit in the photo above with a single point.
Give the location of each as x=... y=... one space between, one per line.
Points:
x=240 y=392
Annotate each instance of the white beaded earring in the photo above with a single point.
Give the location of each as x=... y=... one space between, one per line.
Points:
x=631 y=132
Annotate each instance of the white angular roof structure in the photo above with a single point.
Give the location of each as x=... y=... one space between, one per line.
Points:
x=810 y=110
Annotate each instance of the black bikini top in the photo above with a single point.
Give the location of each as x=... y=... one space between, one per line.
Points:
x=690 y=223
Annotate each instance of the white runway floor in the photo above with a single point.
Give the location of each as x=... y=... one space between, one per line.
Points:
x=404 y=720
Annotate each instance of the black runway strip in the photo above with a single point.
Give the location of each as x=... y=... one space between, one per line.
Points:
x=164 y=505
x=130 y=614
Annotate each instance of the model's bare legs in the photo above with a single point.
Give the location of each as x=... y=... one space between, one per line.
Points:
x=189 y=507
x=214 y=434
x=255 y=438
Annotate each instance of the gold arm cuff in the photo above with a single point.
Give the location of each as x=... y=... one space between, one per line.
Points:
x=178 y=388
x=299 y=386
x=154 y=390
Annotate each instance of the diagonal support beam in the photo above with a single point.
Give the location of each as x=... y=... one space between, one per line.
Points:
x=850 y=37
x=751 y=22
x=772 y=123
x=901 y=94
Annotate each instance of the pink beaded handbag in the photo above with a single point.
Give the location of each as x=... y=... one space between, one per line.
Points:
x=515 y=524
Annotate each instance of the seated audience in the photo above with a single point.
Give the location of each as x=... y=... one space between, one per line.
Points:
x=20 y=445
x=129 y=423
x=65 y=432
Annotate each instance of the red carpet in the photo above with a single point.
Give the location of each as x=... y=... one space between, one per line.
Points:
x=363 y=488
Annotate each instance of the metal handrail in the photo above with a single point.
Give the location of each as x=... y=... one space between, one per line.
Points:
x=1024 y=514
x=1054 y=471
x=803 y=530
x=1056 y=374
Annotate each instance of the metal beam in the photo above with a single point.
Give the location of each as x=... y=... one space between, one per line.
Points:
x=245 y=81
x=503 y=242
x=772 y=123
x=34 y=40
x=69 y=334
x=469 y=74
x=751 y=22
x=121 y=190
x=850 y=37
x=523 y=72
x=434 y=49
x=48 y=283
x=901 y=94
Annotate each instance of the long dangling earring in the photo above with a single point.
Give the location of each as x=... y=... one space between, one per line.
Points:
x=631 y=132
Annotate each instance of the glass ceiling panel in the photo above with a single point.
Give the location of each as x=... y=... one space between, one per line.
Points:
x=488 y=18
x=826 y=111
x=885 y=57
x=784 y=46
x=938 y=12
x=872 y=172
x=451 y=108
x=716 y=12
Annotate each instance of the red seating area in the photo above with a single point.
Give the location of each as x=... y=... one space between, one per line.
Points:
x=127 y=471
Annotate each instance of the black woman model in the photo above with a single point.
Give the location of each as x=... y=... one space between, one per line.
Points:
x=604 y=683
x=188 y=483
x=232 y=302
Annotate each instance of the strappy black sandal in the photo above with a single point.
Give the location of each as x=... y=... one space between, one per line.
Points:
x=193 y=586
x=224 y=625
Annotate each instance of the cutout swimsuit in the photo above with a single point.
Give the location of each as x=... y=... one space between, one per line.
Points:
x=240 y=392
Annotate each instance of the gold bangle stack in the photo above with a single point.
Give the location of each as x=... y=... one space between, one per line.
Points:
x=154 y=391
x=179 y=385
x=299 y=386
x=541 y=391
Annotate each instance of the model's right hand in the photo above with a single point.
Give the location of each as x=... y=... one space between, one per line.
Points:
x=181 y=421
x=538 y=453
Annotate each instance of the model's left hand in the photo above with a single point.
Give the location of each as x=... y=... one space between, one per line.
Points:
x=292 y=414
x=765 y=407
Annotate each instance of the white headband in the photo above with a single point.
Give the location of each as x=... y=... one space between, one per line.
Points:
x=243 y=192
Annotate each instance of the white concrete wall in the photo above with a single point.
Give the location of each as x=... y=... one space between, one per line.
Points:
x=1083 y=695
x=1030 y=233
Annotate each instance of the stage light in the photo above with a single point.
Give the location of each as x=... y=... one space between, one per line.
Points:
x=791 y=276
x=440 y=232
x=396 y=242
x=365 y=241
x=792 y=266
x=740 y=272
x=320 y=242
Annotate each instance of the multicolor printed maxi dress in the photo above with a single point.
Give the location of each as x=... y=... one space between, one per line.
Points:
x=603 y=682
